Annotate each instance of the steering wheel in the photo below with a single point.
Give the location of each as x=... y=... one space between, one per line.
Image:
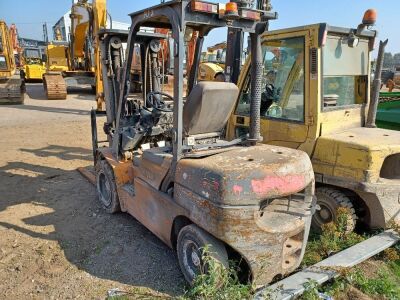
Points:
x=152 y=101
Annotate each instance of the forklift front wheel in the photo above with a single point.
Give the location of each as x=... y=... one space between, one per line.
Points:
x=329 y=200
x=197 y=250
x=106 y=187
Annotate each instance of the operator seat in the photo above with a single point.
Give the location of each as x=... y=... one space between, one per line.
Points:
x=208 y=107
x=205 y=115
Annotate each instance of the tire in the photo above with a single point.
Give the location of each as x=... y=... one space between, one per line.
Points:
x=191 y=242
x=329 y=200
x=106 y=187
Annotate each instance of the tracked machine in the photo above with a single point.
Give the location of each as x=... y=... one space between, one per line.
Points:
x=12 y=86
x=77 y=63
x=167 y=162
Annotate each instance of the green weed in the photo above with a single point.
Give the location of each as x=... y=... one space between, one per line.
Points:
x=218 y=283
x=334 y=238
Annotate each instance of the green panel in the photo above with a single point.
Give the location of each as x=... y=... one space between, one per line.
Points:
x=388 y=115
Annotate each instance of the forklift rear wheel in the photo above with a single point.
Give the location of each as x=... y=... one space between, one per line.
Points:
x=329 y=200
x=106 y=187
x=192 y=241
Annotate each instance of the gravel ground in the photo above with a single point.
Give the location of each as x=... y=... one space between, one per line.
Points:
x=55 y=241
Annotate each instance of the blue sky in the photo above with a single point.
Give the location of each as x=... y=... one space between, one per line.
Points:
x=30 y=14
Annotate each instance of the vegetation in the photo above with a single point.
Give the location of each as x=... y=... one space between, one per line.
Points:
x=378 y=278
x=218 y=283
x=334 y=238
x=381 y=281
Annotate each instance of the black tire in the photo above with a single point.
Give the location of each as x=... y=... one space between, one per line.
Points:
x=106 y=187
x=220 y=77
x=329 y=200
x=191 y=242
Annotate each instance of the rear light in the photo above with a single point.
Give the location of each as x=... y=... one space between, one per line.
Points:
x=251 y=15
x=205 y=7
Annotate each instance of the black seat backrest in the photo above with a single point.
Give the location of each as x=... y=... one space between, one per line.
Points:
x=208 y=107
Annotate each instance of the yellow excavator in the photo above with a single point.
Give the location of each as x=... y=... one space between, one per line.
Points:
x=12 y=86
x=78 y=62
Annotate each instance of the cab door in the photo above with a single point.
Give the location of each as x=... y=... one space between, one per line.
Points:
x=284 y=111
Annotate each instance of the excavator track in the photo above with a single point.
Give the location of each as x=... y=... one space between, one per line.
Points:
x=12 y=91
x=55 y=87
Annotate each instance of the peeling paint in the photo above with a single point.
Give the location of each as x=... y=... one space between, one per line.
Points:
x=284 y=184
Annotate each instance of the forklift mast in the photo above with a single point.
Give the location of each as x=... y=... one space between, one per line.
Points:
x=235 y=41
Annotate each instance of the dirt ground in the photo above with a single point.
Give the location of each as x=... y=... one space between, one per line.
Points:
x=55 y=241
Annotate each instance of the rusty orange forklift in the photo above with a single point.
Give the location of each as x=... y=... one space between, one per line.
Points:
x=167 y=162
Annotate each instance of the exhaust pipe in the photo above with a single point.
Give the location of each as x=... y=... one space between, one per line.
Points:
x=376 y=86
x=256 y=80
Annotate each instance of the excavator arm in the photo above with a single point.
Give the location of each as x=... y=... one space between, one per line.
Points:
x=87 y=18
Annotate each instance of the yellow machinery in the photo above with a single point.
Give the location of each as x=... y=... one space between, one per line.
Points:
x=34 y=67
x=79 y=62
x=315 y=97
x=213 y=63
x=12 y=87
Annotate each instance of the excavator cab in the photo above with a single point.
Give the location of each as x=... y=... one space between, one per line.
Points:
x=168 y=162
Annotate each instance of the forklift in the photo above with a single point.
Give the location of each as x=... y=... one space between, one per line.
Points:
x=316 y=98
x=167 y=163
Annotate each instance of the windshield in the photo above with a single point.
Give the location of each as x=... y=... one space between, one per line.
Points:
x=345 y=72
x=32 y=53
x=282 y=81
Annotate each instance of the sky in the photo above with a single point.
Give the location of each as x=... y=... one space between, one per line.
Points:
x=29 y=15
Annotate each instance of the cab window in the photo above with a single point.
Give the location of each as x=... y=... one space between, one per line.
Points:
x=282 y=81
x=345 y=72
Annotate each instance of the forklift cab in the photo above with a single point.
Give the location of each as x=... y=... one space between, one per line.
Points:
x=169 y=164
x=315 y=97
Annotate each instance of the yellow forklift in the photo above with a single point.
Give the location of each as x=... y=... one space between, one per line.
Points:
x=316 y=98
x=12 y=86
x=167 y=162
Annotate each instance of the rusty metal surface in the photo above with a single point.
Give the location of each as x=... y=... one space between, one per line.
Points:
x=154 y=166
x=246 y=175
x=154 y=209
x=269 y=232
x=123 y=170
x=271 y=239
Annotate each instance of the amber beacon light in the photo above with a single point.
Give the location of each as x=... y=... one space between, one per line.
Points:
x=369 y=18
